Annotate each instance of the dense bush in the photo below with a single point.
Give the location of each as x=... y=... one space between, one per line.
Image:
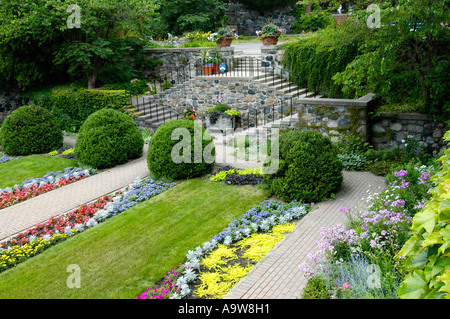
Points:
x=309 y=169
x=311 y=21
x=30 y=130
x=108 y=138
x=314 y=60
x=72 y=105
x=174 y=153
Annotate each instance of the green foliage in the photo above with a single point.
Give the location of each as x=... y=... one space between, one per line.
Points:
x=72 y=106
x=30 y=130
x=135 y=86
x=37 y=44
x=314 y=60
x=180 y=149
x=406 y=61
x=353 y=161
x=428 y=248
x=262 y=5
x=312 y=21
x=309 y=169
x=316 y=288
x=179 y=16
x=108 y=138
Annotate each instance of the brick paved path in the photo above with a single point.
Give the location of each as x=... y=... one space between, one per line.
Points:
x=20 y=217
x=277 y=275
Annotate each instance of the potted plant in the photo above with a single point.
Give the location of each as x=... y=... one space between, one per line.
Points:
x=207 y=65
x=224 y=36
x=269 y=34
x=221 y=116
x=189 y=114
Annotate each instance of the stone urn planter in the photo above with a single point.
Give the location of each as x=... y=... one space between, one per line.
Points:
x=224 y=42
x=270 y=40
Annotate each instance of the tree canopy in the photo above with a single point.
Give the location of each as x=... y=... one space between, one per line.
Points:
x=38 y=39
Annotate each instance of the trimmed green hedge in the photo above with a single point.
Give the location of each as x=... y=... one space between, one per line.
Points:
x=309 y=168
x=73 y=106
x=314 y=60
x=30 y=130
x=108 y=138
x=171 y=155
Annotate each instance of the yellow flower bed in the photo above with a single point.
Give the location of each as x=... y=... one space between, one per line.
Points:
x=222 y=276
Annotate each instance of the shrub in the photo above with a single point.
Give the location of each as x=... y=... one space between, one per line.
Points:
x=353 y=161
x=30 y=130
x=311 y=21
x=72 y=106
x=108 y=138
x=309 y=168
x=177 y=156
x=316 y=288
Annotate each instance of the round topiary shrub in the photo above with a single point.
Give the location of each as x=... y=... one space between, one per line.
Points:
x=30 y=130
x=309 y=169
x=180 y=149
x=108 y=138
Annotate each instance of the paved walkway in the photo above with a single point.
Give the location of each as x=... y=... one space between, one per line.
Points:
x=276 y=276
x=19 y=217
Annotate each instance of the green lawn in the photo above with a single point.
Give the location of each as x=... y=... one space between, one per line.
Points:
x=34 y=166
x=124 y=255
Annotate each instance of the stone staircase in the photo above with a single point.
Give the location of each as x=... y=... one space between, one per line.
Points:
x=153 y=114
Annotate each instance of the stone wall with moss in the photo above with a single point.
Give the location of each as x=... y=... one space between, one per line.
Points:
x=333 y=117
x=389 y=130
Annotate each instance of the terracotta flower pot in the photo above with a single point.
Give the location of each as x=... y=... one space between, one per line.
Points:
x=207 y=69
x=216 y=69
x=270 y=40
x=224 y=42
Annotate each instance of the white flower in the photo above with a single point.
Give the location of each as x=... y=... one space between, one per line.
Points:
x=68 y=230
x=189 y=274
x=79 y=227
x=227 y=241
x=193 y=263
x=185 y=290
x=91 y=223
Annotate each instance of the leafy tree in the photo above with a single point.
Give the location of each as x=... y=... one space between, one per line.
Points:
x=186 y=15
x=37 y=42
x=407 y=59
x=262 y=5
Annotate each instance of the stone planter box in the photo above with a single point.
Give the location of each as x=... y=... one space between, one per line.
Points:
x=223 y=123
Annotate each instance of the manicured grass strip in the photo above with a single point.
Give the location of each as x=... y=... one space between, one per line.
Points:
x=33 y=166
x=124 y=255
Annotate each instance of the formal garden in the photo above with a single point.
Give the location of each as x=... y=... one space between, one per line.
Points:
x=193 y=229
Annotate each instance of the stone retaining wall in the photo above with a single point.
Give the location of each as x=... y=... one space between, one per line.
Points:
x=175 y=58
x=255 y=102
x=388 y=130
x=9 y=101
x=333 y=117
x=247 y=21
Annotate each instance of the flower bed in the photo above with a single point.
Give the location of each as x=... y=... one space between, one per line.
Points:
x=360 y=260
x=34 y=187
x=188 y=280
x=5 y=159
x=55 y=229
